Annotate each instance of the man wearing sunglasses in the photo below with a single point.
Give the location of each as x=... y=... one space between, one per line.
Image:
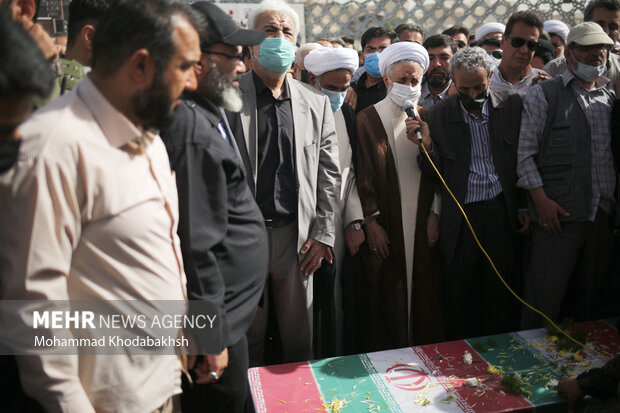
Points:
x=565 y=162
x=519 y=43
x=222 y=234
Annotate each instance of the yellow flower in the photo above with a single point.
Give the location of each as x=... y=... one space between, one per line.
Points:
x=336 y=405
x=552 y=339
x=495 y=369
x=577 y=357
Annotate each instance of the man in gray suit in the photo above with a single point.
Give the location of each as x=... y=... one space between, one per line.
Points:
x=287 y=140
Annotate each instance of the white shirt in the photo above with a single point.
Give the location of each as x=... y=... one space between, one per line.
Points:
x=521 y=87
x=88 y=221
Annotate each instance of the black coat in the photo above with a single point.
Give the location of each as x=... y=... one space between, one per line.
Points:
x=451 y=152
x=222 y=232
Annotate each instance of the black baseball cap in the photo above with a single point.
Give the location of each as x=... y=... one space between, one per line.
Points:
x=221 y=28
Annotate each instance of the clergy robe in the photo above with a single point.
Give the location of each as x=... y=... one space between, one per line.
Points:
x=329 y=318
x=401 y=295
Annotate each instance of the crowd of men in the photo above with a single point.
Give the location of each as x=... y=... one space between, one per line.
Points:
x=321 y=198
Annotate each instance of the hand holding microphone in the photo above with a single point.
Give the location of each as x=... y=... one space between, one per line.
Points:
x=417 y=129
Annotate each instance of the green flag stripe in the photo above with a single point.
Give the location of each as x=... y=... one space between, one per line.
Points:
x=514 y=354
x=354 y=379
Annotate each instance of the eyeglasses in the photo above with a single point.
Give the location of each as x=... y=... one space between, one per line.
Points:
x=597 y=47
x=461 y=44
x=497 y=54
x=518 y=42
x=228 y=55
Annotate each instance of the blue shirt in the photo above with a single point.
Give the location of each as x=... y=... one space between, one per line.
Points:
x=483 y=182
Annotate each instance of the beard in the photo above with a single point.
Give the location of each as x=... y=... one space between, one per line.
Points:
x=153 y=105
x=219 y=89
x=438 y=81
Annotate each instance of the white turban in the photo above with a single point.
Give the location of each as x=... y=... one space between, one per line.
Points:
x=557 y=27
x=303 y=51
x=325 y=59
x=487 y=28
x=403 y=51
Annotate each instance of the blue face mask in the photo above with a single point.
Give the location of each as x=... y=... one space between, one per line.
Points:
x=335 y=98
x=587 y=72
x=276 y=54
x=371 y=63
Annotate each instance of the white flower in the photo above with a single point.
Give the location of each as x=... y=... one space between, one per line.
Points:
x=472 y=382
x=552 y=384
x=467 y=359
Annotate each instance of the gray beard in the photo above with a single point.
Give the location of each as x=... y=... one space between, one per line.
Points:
x=220 y=91
x=231 y=99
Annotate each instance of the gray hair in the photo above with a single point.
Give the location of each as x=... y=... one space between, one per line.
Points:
x=405 y=61
x=303 y=51
x=471 y=58
x=276 y=6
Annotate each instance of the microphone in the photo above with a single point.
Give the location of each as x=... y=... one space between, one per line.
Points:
x=412 y=111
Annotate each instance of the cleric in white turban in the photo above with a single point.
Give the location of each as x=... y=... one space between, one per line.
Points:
x=400 y=283
x=330 y=71
x=558 y=28
x=489 y=28
x=558 y=32
x=325 y=59
x=403 y=51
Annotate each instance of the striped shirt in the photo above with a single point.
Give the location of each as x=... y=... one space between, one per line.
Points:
x=483 y=182
x=596 y=106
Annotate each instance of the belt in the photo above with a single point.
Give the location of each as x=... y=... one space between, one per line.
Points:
x=279 y=222
x=495 y=199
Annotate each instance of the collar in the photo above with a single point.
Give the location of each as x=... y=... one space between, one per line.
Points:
x=213 y=112
x=497 y=74
x=567 y=76
x=116 y=127
x=261 y=88
x=426 y=91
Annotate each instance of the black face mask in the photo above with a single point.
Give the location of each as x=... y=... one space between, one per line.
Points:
x=474 y=104
x=9 y=151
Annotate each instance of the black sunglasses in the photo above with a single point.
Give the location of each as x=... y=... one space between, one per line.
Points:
x=461 y=44
x=518 y=42
x=228 y=55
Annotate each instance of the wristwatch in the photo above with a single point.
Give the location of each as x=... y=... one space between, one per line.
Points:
x=355 y=225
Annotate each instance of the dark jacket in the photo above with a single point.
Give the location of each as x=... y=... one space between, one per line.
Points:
x=451 y=152
x=603 y=385
x=223 y=237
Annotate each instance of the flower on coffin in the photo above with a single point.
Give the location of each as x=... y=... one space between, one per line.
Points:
x=513 y=383
x=472 y=382
x=467 y=358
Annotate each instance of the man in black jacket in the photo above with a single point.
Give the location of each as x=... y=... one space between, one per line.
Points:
x=222 y=233
x=474 y=145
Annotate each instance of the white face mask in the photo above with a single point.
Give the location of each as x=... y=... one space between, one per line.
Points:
x=587 y=72
x=400 y=93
